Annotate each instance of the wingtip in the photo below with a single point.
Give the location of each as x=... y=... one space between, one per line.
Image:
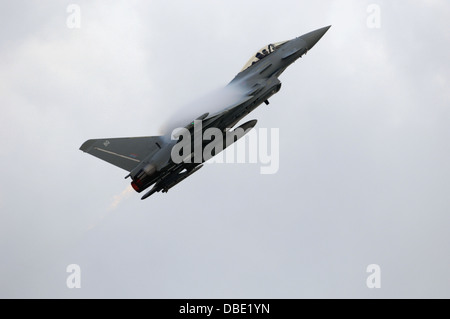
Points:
x=87 y=145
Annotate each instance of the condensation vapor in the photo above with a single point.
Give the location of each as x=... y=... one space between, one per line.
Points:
x=212 y=103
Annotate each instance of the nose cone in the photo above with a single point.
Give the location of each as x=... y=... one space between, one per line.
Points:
x=313 y=37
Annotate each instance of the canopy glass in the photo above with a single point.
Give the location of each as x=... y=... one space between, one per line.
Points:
x=261 y=54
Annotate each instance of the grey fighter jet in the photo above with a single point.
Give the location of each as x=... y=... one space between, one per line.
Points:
x=150 y=160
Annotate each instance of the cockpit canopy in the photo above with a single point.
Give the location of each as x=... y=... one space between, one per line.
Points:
x=261 y=54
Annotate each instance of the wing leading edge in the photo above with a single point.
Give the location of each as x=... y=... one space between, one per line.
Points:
x=125 y=153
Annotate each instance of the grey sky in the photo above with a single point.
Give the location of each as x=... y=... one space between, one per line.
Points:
x=364 y=151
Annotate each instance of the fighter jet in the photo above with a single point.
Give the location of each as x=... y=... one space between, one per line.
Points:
x=150 y=160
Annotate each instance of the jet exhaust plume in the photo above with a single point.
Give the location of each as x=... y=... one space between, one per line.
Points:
x=117 y=199
x=120 y=197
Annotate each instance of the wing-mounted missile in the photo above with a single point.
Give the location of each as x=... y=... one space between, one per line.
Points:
x=181 y=177
x=150 y=193
x=229 y=138
x=234 y=135
x=170 y=181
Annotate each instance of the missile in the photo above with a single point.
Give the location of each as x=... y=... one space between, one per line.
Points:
x=151 y=192
x=202 y=117
x=168 y=184
x=247 y=126
x=229 y=138
x=234 y=135
x=181 y=178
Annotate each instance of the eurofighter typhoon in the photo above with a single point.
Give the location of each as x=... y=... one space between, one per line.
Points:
x=162 y=162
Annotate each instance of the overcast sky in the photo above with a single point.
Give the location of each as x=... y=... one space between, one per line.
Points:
x=364 y=172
